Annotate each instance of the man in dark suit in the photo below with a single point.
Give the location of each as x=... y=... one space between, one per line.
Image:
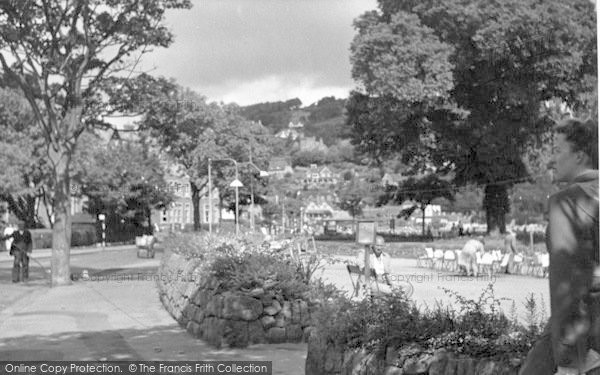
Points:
x=571 y=342
x=20 y=249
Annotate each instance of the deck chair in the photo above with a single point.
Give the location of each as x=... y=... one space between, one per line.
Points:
x=427 y=259
x=356 y=277
x=485 y=263
x=438 y=259
x=450 y=262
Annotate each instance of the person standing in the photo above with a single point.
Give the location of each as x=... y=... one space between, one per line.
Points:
x=20 y=249
x=571 y=341
x=510 y=247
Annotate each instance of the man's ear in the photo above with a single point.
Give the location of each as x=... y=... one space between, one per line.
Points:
x=583 y=158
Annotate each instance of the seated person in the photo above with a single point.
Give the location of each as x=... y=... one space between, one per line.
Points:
x=467 y=259
x=380 y=263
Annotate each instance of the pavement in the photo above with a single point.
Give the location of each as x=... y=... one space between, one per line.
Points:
x=115 y=316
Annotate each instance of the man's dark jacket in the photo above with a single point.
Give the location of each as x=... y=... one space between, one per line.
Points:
x=21 y=242
x=572 y=241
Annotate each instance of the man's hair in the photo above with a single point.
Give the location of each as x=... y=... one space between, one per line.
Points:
x=583 y=136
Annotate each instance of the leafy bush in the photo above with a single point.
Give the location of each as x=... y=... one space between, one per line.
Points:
x=245 y=264
x=475 y=327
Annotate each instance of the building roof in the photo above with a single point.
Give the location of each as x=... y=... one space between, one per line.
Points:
x=279 y=164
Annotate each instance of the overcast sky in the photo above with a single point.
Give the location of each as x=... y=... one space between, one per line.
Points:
x=251 y=51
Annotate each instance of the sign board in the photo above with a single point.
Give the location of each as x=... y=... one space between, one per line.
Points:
x=366 y=232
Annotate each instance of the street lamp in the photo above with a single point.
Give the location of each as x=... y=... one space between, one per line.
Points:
x=261 y=173
x=236 y=184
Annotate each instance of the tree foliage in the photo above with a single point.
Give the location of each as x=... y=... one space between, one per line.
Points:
x=465 y=83
x=61 y=54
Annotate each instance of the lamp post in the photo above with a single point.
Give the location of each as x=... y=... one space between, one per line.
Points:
x=236 y=184
x=261 y=174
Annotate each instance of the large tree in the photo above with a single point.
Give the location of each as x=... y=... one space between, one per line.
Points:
x=61 y=53
x=467 y=80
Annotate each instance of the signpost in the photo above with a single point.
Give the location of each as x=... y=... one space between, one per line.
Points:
x=365 y=235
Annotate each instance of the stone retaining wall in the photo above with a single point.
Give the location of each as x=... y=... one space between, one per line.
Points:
x=221 y=317
x=327 y=359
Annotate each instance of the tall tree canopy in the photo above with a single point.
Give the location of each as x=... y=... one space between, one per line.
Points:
x=464 y=83
x=61 y=54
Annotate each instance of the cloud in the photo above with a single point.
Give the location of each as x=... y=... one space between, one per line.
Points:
x=275 y=88
x=241 y=48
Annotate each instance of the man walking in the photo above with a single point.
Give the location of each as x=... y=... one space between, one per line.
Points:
x=21 y=248
x=571 y=341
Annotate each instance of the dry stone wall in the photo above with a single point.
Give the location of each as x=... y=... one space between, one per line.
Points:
x=229 y=318
x=327 y=359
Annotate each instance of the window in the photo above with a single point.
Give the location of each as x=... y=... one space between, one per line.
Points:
x=206 y=211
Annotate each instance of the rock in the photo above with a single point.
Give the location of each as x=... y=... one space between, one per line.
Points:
x=393 y=370
x=213 y=331
x=315 y=356
x=202 y=297
x=275 y=335
x=353 y=360
x=257 y=293
x=296 y=312
x=240 y=307
x=267 y=321
x=407 y=351
x=465 y=366
x=194 y=328
x=333 y=359
x=189 y=311
x=235 y=334
x=486 y=367
x=293 y=333
x=438 y=363
x=286 y=310
x=391 y=356
x=304 y=314
x=199 y=316
x=256 y=333
x=417 y=365
x=274 y=308
x=280 y=320
x=214 y=307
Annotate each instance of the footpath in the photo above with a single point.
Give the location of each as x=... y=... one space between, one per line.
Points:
x=116 y=315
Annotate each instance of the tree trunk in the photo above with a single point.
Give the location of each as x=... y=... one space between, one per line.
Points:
x=196 y=205
x=61 y=231
x=496 y=205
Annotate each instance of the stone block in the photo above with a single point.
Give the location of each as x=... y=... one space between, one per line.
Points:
x=393 y=370
x=274 y=308
x=280 y=320
x=275 y=335
x=199 y=316
x=304 y=314
x=268 y=321
x=466 y=366
x=257 y=293
x=240 y=307
x=293 y=333
x=256 y=332
x=417 y=365
x=286 y=310
x=214 y=307
x=235 y=334
x=438 y=363
x=202 y=297
x=213 y=331
x=194 y=328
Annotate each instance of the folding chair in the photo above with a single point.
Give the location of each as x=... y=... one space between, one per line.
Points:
x=485 y=263
x=358 y=281
x=426 y=259
x=540 y=265
x=438 y=258
x=517 y=264
x=504 y=263
x=450 y=262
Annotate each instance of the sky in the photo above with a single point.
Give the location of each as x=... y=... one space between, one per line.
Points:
x=252 y=51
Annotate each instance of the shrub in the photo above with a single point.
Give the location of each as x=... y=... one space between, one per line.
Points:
x=474 y=327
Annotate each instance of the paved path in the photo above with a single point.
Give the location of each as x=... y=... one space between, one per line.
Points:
x=119 y=319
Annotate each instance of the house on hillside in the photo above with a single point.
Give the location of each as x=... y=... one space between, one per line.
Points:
x=314 y=212
x=322 y=176
x=391 y=179
x=279 y=167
